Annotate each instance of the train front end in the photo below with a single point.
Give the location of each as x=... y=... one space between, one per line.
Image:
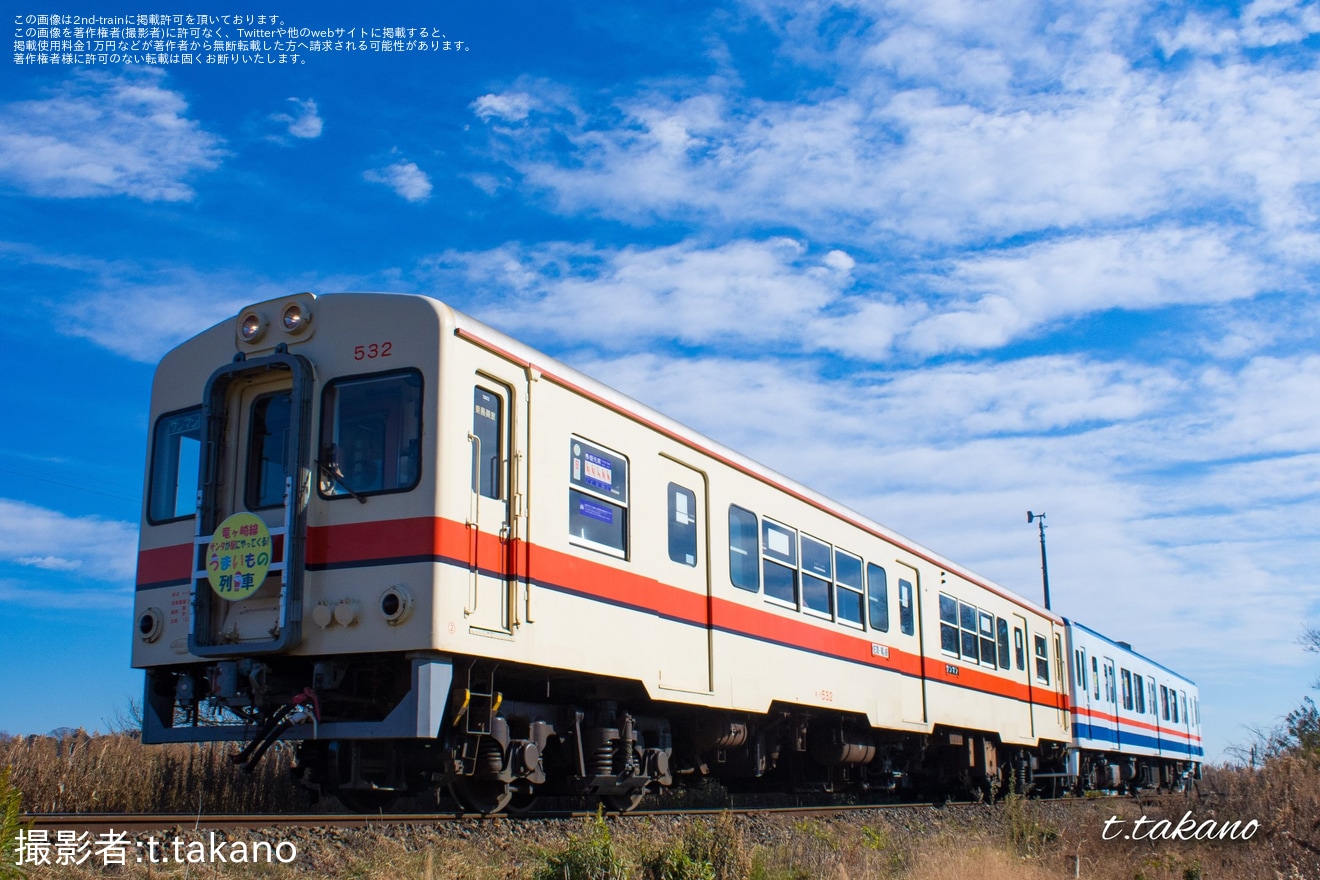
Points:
x=285 y=576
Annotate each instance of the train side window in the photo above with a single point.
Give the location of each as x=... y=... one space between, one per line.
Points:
x=488 y=448
x=268 y=444
x=817 y=577
x=877 y=597
x=598 y=498
x=1153 y=709
x=1139 y=694
x=1042 y=660
x=986 y=627
x=1164 y=702
x=1019 y=650
x=744 y=551
x=1174 y=700
x=176 y=450
x=949 y=624
x=906 y=618
x=779 y=562
x=1080 y=662
x=967 y=623
x=1002 y=633
x=682 y=525
x=1127 y=688
x=1095 y=676
x=848 y=588
x=371 y=429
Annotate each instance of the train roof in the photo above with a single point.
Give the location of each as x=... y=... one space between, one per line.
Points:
x=1123 y=646
x=566 y=376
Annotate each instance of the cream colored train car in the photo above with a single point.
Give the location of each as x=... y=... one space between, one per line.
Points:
x=430 y=554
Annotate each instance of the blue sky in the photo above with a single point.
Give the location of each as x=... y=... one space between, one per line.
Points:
x=946 y=261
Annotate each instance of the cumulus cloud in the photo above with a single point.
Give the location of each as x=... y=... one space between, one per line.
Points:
x=94 y=547
x=953 y=124
x=405 y=178
x=306 y=124
x=509 y=107
x=104 y=134
x=743 y=292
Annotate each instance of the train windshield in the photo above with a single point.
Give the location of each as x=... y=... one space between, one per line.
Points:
x=175 y=453
x=371 y=434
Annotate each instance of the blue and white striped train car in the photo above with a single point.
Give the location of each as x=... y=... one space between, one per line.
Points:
x=1136 y=724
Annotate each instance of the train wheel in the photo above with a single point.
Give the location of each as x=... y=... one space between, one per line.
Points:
x=366 y=800
x=623 y=803
x=523 y=800
x=480 y=795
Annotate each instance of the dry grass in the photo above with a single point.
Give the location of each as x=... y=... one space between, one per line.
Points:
x=1032 y=840
x=117 y=774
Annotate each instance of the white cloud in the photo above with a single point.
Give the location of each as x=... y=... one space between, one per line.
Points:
x=951 y=124
x=996 y=297
x=780 y=291
x=405 y=178
x=93 y=547
x=106 y=135
x=742 y=292
x=307 y=124
x=509 y=107
x=50 y=563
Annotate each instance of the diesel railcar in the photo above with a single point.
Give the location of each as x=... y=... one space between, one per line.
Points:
x=436 y=558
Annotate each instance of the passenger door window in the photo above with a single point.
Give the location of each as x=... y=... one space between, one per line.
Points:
x=682 y=524
x=268 y=445
x=488 y=447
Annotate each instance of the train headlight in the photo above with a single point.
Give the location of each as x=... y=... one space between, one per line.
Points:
x=150 y=623
x=251 y=327
x=395 y=605
x=294 y=318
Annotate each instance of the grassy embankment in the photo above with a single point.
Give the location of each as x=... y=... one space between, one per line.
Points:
x=1017 y=840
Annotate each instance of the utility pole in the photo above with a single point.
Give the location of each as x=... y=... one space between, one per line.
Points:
x=1044 y=569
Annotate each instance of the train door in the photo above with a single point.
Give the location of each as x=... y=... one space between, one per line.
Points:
x=1109 y=711
x=1026 y=720
x=1061 y=679
x=496 y=521
x=911 y=639
x=685 y=663
x=251 y=520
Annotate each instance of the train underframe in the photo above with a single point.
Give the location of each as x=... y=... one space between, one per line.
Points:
x=373 y=728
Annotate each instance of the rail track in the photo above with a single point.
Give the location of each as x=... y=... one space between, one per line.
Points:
x=183 y=821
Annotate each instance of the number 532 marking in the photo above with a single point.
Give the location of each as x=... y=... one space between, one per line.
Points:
x=372 y=351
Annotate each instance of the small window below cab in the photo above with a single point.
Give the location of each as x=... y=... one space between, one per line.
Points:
x=176 y=450
x=371 y=435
